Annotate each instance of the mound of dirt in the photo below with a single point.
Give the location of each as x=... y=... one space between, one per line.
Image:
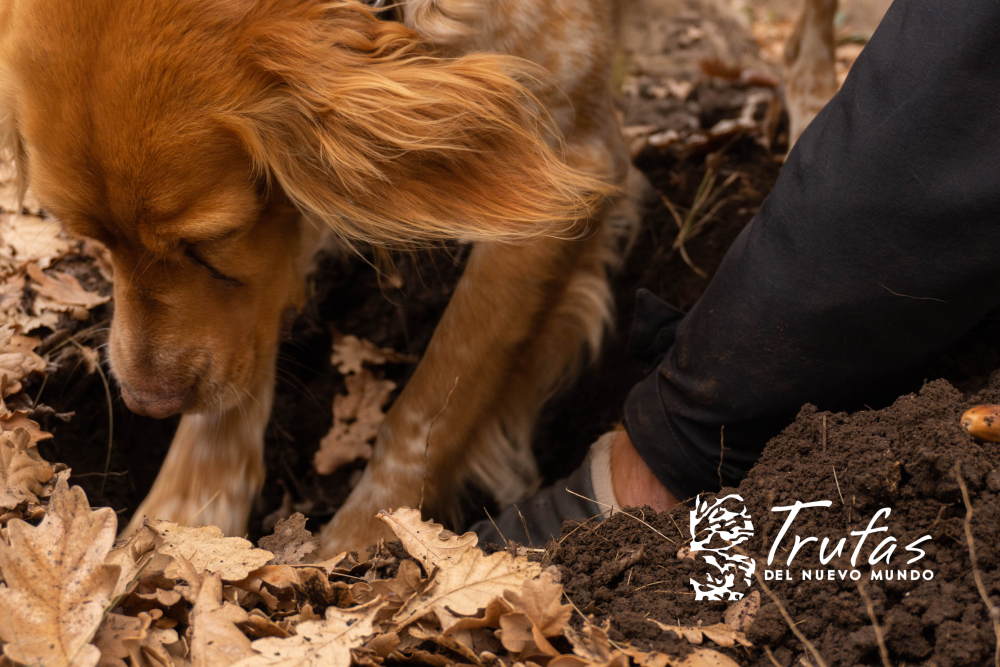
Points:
x=908 y=458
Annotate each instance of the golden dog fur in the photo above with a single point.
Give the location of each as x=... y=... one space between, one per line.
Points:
x=211 y=144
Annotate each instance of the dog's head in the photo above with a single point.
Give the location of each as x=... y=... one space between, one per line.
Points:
x=202 y=140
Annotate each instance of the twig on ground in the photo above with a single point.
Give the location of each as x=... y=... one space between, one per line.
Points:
x=824 y=434
x=674 y=521
x=506 y=543
x=625 y=513
x=784 y=612
x=837 y=482
x=883 y=651
x=722 y=451
x=427 y=446
x=992 y=610
x=579 y=526
x=770 y=656
x=524 y=524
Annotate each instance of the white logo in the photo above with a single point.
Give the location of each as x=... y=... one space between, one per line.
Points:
x=723 y=529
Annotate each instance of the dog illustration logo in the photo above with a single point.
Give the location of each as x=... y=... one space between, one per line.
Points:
x=722 y=525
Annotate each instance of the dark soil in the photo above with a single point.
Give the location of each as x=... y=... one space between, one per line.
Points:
x=907 y=457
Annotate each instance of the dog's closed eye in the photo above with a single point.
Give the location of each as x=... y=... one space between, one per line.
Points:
x=190 y=253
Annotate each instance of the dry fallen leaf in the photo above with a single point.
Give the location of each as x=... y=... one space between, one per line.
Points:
x=11 y=294
x=591 y=648
x=396 y=592
x=132 y=557
x=741 y=613
x=215 y=639
x=62 y=292
x=22 y=470
x=325 y=643
x=356 y=418
x=426 y=541
x=291 y=542
x=350 y=353
x=134 y=637
x=540 y=605
x=208 y=550
x=29 y=238
x=19 y=419
x=58 y=583
x=460 y=589
x=720 y=633
x=17 y=359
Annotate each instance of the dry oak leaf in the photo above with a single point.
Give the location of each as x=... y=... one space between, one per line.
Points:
x=357 y=416
x=135 y=637
x=58 y=583
x=28 y=238
x=208 y=550
x=396 y=591
x=460 y=589
x=132 y=558
x=215 y=639
x=23 y=473
x=720 y=633
x=19 y=419
x=444 y=641
x=591 y=648
x=291 y=542
x=62 y=292
x=17 y=359
x=350 y=353
x=699 y=657
x=427 y=541
x=325 y=643
x=539 y=605
x=11 y=293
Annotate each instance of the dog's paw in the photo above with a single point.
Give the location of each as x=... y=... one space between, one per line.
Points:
x=352 y=531
x=230 y=512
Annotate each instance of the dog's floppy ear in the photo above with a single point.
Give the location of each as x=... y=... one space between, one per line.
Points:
x=366 y=130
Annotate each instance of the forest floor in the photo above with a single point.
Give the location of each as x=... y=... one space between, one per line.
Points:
x=688 y=124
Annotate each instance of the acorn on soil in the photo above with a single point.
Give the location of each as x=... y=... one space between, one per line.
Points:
x=983 y=422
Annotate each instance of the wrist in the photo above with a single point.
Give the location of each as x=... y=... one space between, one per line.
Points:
x=634 y=483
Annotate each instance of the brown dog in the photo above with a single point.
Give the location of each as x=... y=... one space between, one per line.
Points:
x=211 y=144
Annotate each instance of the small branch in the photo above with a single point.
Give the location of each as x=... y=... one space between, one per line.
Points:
x=722 y=451
x=992 y=610
x=838 y=486
x=770 y=656
x=883 y=651
x=784 y=613
x=610 y=508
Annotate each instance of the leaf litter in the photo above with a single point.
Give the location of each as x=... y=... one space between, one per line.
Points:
x=175 y=596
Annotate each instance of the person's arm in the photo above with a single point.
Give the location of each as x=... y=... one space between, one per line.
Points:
x=878 y=247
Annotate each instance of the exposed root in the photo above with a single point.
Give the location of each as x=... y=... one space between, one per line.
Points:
x=882 y=650
x=784 y=613
x=992 y=610
x=770 y=656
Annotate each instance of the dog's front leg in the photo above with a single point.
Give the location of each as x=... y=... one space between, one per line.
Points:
x=455 y=405
x=215 y=467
